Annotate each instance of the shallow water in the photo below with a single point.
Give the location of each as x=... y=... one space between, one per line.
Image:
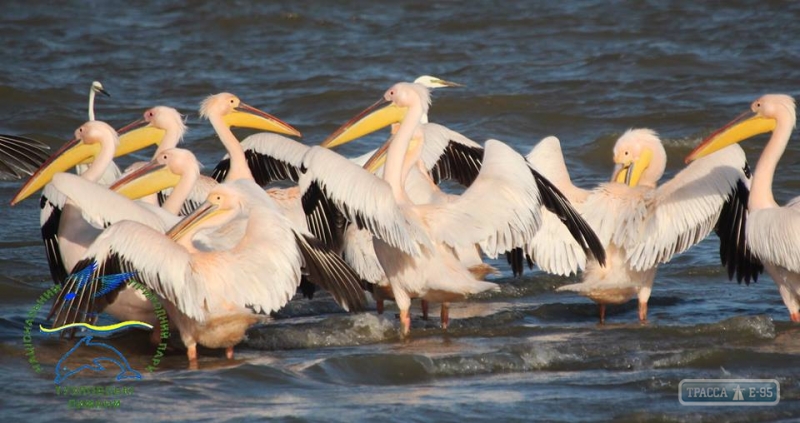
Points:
x=584 y=71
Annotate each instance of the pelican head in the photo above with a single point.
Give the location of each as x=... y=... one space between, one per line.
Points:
x=97 y=87
x=224 y=203
x=639 y=157
x=151 y=129
x=392 y=108
x=234 y=113
x=164 y=171
x=88 y=141
x=764 y=116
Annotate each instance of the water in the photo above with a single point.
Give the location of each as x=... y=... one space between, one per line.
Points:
x=584 y=71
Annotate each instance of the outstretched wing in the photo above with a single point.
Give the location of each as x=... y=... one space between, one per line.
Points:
x=327 y=269
x=270 y=157
x=359 y=196
x=683 y=211
x=20 y=156
x=449 y=155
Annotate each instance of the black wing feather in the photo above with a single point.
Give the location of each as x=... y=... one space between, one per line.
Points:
x=51 y=246
x=328 y=270
x=557 y=203
x=734 y=252
x=459 y=162
x=265 y=169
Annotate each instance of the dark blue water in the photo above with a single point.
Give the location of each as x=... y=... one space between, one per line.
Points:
x=585 y=72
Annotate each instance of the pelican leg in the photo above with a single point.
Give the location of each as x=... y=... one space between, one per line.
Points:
x=644 y=296
x=642 y=311
x=403 y=302
x=445 y=315
x=424 y=305
x=405 y=321
x=602 y=313
x=191 y=353
x=379 y=306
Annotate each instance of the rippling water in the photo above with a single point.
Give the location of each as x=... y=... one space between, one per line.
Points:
x=584 y=71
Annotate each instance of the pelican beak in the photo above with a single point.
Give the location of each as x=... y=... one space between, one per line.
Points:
x=747 y=125
x=71 y=154
x=373 y=118
x=201 y=214
x=246 y=116
x=148 y=179
x=378 y=159
x=630 y=172
x=136 y=136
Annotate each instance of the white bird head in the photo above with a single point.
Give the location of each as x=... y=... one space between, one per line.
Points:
x=165 y=118
x=224 y=203
x=434 y=82
x=97 y=87
x=90 y=139
x=234 y=113
x=640 y=158
x=407 y=94
x=164 y=171
x=765 y=114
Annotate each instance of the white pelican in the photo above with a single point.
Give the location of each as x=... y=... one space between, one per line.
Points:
x=641 y=224
x=446 y=154
x=213 y=297
x=773 y=232
x=65 y=231
x=20 y=156
x=414 y=243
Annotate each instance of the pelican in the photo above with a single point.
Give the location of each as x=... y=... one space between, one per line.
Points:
x=212 y=297
x=414 y=243
x=446 y=154
x=772 y=231
x=20 y=156
x=640 y=223
x=65 y=231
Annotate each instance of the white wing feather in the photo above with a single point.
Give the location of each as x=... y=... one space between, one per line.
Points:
x=774 y=235
x=683 y=211
x=361 y=196
x=99 y=205
x=499 y=211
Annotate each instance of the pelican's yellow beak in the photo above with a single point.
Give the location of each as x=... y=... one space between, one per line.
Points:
x=148 y=179
x=747 y=125
x=630 y=172
x=138 y=135
x=378 y=158
x=201 y=214
x=373 y=118
x=245 y=116
x=71 y=154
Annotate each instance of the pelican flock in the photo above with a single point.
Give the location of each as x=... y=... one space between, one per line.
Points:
x=222 y=252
